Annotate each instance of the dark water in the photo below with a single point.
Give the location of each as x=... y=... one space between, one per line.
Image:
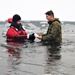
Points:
x=35 y=58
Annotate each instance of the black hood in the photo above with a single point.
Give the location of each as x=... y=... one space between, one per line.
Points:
x=18 y=26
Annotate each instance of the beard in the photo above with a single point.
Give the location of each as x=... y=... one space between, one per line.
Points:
x=18 y=26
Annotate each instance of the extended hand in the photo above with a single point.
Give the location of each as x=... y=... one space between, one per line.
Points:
x=39 y=37
x=32 y=37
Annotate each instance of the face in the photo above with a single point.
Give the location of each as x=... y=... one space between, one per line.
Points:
x=19 y=22
x=49 y=17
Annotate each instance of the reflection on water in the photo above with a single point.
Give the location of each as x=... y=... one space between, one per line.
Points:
x=53 y=58
x=14 y=58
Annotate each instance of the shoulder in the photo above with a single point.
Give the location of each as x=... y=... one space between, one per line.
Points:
x=56 y=23
x=12 y=29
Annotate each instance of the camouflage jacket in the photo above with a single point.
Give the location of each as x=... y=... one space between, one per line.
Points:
x=54 y=33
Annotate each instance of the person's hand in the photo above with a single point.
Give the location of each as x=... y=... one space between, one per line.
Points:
x=36 y=35
x=31 y=37
x=39 y=37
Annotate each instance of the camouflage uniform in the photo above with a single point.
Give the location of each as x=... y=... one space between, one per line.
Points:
x=54 y=34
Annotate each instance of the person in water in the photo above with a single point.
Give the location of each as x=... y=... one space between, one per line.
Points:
x=16 y=32
x=54 y=34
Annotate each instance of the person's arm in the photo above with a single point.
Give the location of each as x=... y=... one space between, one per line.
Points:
x=52 y=35
x=28 y=36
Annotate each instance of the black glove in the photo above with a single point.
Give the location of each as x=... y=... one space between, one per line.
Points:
x=32 y=37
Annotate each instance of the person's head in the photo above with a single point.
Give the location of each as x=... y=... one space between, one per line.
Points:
x=17 y=19
x=49 y=15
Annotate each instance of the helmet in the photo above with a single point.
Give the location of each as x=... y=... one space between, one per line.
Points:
x=9 y=20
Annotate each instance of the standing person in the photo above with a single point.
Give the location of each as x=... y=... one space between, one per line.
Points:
x=16 y=32
x=54 y=34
